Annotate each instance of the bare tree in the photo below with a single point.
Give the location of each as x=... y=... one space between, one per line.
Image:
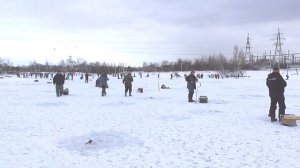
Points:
x=239 y=59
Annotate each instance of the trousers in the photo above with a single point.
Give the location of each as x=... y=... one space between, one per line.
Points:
x=59 y=90
x=281 y=102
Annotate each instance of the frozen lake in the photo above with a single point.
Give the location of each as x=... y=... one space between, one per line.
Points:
x=157 y=128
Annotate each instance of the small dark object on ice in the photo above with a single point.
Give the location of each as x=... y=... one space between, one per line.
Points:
x=90 y=142
x=66 y=91
x=164 y=87
x=139 y=90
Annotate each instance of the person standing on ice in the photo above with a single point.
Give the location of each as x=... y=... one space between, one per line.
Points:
x=59 y=81
x=191 y=85
x=127 y=81
x=276 y=85
x=86 y=77
x=102 y=83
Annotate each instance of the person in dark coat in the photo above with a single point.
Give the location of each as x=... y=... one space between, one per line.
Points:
x=102 y=83
x=191 y=85
x=59 y=81
x=86 y=77
x=127 y=81
x=276 y=85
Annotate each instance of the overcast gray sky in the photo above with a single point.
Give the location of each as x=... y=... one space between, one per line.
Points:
x=134 y=31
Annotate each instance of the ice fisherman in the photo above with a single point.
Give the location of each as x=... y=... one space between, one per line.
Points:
x=191 y=85
x=59 y=81
x=102 y=83
x=127 y=81
x=86 y=77
x=276 y=85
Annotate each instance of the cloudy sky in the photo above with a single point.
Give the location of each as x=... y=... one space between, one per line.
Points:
x=134 y=31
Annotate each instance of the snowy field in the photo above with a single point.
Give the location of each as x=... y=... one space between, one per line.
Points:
x=151 y=129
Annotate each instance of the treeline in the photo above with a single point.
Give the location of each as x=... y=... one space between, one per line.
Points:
x=213 y=62
x=210 y=62
x=68 y=65
x=93 y=67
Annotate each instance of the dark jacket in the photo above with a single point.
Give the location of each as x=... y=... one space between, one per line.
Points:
x=58 y=79
x=191 y=81
x=103 y=81
x=276 y=84
x=128 y=80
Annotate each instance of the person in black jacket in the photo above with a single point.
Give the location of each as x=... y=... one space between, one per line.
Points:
x=276 y=85
x=191 y=85
x=59 y=81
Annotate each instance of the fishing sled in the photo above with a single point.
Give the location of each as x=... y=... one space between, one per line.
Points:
x=203 y=99
x=66 y=91
x=140 y=90
x=289 y=119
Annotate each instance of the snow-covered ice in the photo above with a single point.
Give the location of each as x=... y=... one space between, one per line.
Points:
x=157 y=128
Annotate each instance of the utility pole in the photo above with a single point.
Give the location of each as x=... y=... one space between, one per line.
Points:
x=278 y=48
x=248 y=51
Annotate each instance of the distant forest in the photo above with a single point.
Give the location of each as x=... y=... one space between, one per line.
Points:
x=211 y=62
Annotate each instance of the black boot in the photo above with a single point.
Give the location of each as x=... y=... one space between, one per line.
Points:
x=273 y=119
x=103 y=91
x=191 y=98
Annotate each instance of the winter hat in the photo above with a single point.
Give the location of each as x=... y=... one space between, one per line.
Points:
x=276 y=69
